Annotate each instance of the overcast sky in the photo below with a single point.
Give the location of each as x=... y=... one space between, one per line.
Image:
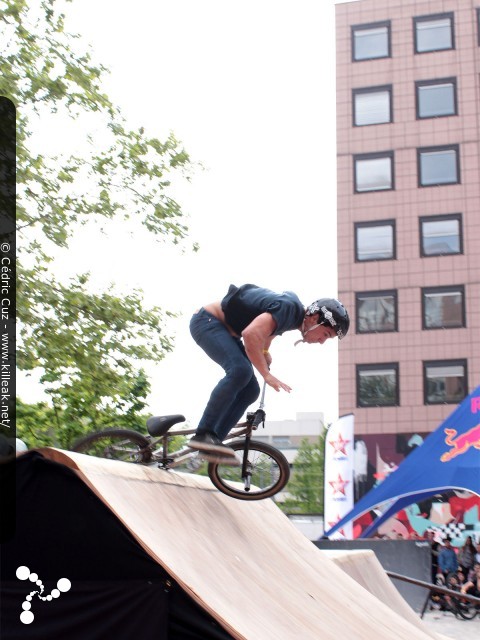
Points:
x=249 y=88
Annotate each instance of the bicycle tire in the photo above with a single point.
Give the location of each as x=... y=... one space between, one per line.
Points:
x=269 y=469
x=115 y=444
x=466 y=610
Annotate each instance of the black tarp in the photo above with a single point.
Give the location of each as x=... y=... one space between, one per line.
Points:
x=117 y=591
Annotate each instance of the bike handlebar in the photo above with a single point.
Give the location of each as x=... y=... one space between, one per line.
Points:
x=259 y=417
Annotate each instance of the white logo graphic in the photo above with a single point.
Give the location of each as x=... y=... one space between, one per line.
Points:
x=328 y=315
x=23 y=573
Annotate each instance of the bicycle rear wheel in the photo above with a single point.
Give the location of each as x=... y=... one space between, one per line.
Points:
x=466 y=610
x=267 y=472
x=115 y=444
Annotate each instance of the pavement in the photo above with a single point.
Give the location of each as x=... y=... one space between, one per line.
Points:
x=447 y=624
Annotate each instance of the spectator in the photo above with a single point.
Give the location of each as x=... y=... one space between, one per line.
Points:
x=434 y=547
x=466 y=556
x=472 y=586
x=447 y=558
x=477 y=554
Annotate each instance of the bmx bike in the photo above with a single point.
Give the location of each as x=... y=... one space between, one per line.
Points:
x=461 y=608
x=262 y=472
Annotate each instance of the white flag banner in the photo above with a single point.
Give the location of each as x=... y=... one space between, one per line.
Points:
x=339 y=465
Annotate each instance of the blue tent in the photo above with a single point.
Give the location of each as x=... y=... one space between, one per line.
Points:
x=449 y=458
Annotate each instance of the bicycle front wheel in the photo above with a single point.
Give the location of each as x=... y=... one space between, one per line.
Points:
x=115 y=444
x=264 y=472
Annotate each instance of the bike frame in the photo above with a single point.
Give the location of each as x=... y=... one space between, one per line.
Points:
x=261 y=469
x=167 y=460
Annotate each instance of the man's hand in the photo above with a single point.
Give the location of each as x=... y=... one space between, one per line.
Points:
x=277 y=384
x=268 y=358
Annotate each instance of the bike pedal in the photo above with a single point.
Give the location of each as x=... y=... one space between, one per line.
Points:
x=164 y=464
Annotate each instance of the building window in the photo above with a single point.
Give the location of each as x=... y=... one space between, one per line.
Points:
x=377 y=385
x=443 y=307
x=373 y=171
x=438 y=165
x=371 y=41
x=436 y=98
x=441 y=235
x=445 y=382
x=434 y=33
x=372 y=105
x=376 y=311
x=375 y=240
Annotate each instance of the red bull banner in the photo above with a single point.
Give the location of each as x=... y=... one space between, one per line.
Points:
x=448 y=459
x=460 y=443
x=339 y=464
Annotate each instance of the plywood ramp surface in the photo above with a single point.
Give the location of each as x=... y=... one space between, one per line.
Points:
x=243 y=562
x=365 y=568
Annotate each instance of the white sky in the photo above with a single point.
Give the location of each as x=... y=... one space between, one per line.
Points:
x=249 y=88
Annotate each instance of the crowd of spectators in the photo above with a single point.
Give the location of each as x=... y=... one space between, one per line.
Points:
x=457 y=568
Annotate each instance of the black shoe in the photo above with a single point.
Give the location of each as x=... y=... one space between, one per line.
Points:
x=211 y=443
x=216 y=458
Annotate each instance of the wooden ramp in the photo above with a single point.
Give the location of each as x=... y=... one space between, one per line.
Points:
x=364 y=567
x=243 y=562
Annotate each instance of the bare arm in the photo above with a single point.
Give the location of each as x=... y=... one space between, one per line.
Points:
x=257 y=338
x=466 y=586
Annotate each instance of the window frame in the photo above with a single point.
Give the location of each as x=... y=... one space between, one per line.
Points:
x=376 y=294
x=376 y=223
x=430 y=18
x=443 y=147
x=377 y=89
x=460 y=288
x=439 y=218
x=374 y=156
x=366 y=27
x=431 y=83
x=371 y=367
x=457 y=362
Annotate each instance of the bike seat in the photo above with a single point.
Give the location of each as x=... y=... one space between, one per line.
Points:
x=159 y=425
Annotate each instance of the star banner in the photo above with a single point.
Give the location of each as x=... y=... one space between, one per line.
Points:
x=339 y=464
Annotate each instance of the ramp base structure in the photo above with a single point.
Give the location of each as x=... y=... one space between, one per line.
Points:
x=242 y=565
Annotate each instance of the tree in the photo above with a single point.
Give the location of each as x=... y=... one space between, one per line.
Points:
x=88 y=346
x=306 y=486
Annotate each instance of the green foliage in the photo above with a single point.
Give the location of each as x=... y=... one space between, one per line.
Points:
x=306 y=485
x=88 y=347
x=120 y=173
x=35 y=423
x=77 y=409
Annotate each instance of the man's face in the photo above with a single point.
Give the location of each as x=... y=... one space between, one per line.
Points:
x=320 y=334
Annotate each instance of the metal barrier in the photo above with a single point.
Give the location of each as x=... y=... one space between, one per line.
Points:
x=410 y=557
x=432 y=587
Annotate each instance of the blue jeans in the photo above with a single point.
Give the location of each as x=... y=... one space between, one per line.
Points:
x=238 y=389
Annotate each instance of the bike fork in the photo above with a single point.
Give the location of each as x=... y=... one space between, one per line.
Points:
x=246 y=467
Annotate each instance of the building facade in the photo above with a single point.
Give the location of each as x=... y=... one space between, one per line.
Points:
x=287 y=435
x=408 y=186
